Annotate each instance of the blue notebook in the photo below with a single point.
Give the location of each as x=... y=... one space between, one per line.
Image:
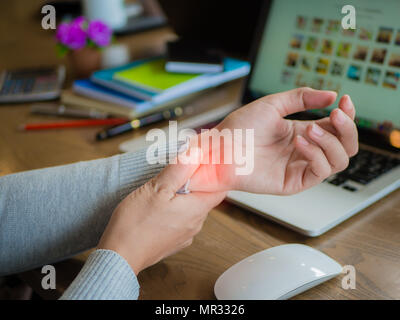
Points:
x=105 y=78
x=233 y=69
x=92 y=90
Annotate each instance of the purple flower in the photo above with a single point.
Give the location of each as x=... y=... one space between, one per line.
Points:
x=75 y=34
x=79 y=21
x=62 y=33
x=99 y=33
x=71 y=35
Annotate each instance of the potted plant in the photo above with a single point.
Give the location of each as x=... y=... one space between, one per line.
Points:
x=83 y=40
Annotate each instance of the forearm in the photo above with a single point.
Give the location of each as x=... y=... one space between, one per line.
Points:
x=50 y=214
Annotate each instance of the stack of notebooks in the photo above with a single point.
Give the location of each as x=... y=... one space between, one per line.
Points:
x=143 y=87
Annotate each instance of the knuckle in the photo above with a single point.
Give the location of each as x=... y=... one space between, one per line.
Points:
x=350 y=128
x=322 y=171
x=326 y=171
x=301 y=91
x=159 y=189
x=202 y=216
x=340 y=164
x=299 y=95
x=317 y=154
x=283 y=128
x=187 y=243
x=322 y=167
x=343 y=164
x=196 y=226
x=137 y=194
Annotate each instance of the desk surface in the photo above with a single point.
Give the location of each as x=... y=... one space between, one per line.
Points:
x=370 y=241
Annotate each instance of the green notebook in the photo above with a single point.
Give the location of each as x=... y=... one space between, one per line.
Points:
x=152 y=76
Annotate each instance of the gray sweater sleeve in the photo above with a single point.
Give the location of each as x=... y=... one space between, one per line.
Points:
x=51 y=214
x=105 y=276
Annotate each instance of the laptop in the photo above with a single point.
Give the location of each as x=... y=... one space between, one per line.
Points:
x=302 y=43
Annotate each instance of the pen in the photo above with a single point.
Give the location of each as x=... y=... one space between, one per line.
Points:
x=72 y=124
x=138 y=123
x=55 y=110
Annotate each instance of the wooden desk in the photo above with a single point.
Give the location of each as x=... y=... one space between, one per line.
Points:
x=370 y=241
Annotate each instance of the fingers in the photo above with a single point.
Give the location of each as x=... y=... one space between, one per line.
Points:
x=175 y=175
x=341 y=124
x=201 y=202
x=326 y=155
x=318 y=168
x=332 y=148
x=300 y=99
x=347 y=106
x=346 y=131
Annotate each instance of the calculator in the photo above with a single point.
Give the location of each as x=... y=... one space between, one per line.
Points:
x=28 y=85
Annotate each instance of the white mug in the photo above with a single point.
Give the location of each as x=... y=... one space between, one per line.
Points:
x=114 y=56
x=112 y=12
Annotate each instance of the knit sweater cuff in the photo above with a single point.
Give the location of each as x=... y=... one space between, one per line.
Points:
x=135 y=169
x=105 y=276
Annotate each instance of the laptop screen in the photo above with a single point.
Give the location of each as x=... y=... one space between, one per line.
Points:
x=304 y=44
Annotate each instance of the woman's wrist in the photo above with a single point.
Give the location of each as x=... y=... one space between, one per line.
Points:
x=217 y=160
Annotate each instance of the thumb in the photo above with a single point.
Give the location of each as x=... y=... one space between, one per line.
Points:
x=178 y=172
x=300 y=99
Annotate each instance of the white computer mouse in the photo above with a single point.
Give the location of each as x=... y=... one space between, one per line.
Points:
x=277 y=273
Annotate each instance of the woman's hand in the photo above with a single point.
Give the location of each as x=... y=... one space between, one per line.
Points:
x=154 y=222
x=289 y=156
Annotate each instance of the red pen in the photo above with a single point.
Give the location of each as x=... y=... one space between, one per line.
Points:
x=72 y=124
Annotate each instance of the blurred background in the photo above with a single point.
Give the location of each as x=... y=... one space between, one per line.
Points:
x=21 y=31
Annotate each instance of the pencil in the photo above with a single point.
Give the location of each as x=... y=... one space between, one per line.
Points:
x=72 y=124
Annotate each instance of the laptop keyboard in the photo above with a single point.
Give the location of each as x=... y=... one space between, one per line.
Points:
x=364 y=168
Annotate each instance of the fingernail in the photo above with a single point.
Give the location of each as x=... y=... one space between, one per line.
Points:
x=317 y=130
x=348 y=97
x=185 y=188
x=183 y=147
x=340 y=116
x=349 y=102
x=302 y=141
